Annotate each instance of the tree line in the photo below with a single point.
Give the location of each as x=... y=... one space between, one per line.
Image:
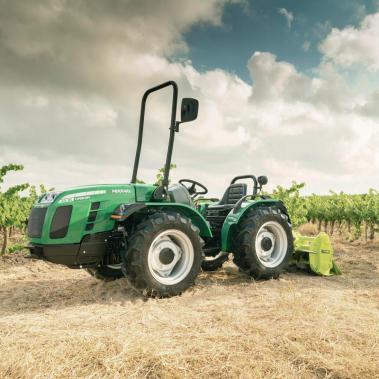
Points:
x=356 y=214
x=15 y=205
x=335 y=212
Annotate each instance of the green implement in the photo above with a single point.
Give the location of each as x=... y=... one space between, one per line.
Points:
x=315 y=253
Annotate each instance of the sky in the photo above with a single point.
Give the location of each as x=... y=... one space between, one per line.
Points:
x=287 y=89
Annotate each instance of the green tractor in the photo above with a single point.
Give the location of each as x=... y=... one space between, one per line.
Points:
x=160 y=236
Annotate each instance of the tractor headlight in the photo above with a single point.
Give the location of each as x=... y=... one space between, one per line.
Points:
x=49 y=197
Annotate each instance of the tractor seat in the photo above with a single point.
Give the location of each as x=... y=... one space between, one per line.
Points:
x=231 y=196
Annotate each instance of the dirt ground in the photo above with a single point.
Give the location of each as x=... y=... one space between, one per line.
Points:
x=62 y=323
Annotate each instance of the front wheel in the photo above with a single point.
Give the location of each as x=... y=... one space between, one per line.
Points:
x=264 y=243
x=164 y=255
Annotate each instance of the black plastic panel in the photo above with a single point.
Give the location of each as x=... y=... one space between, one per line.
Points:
x=95 y=206
x=90 y=226
x=92 y=216
x=35 y=223
x=88 y=253
x=61 y=222
x=92 y=248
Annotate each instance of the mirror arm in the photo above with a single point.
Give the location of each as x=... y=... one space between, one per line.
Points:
x=176 y=127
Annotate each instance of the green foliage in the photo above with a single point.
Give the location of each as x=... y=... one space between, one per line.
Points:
x=16 y=248
x=7 y=168
x=160 y=175
x=293 y=201
x=14 y=205
x=333 y=210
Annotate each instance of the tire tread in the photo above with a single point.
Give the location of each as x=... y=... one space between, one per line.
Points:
x=244 y=255
x=134 y=266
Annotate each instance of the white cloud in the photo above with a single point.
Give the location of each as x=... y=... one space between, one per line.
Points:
x=37 y=101
x=287 y=15
x=91 y=46
x=273 y=79
x=370 y=106
x=351 y=45
x=82 y=69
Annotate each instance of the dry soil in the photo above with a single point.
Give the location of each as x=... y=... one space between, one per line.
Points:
x=62 y=323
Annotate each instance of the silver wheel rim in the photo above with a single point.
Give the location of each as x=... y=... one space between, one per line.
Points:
x=170 y=257
x=271 y=244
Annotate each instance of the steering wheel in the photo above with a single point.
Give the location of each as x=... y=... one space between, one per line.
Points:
x=192 y=188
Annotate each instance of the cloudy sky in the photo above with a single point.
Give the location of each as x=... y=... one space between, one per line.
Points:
x=289 y=89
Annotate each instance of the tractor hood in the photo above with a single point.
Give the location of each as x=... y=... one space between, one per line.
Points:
x=105 y=192
x=65 y=217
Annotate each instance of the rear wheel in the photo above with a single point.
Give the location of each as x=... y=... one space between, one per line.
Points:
x=164 y=255
x=264 y=243
x=106 y=273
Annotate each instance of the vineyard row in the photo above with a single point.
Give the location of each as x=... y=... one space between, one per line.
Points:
x=331 y=212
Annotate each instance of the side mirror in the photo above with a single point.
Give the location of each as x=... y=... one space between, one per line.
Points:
x=262 y=180
x=189 y=109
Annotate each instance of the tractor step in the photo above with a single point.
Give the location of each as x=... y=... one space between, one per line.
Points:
x=316 y=254
x=211 y=251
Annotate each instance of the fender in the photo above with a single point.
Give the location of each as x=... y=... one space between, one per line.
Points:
x=235 y=215
x=189 y=212
x=123 y=211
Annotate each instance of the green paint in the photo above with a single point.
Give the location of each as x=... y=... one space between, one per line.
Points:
x=109 y=197
x=188 y=211
x=313 y=252
x=144 y=192
x=81 y=198
x=233 y=219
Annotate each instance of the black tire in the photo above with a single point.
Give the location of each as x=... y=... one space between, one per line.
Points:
x=105 y=273
x=214 y=264
x=135 y=261
x=245 y=254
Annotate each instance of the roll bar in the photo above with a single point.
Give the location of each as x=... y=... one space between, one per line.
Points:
x=173 y=129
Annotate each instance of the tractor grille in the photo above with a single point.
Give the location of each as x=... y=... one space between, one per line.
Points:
x=61 y=222
x=35 y=223
x=92 y=215
x=216 y=218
